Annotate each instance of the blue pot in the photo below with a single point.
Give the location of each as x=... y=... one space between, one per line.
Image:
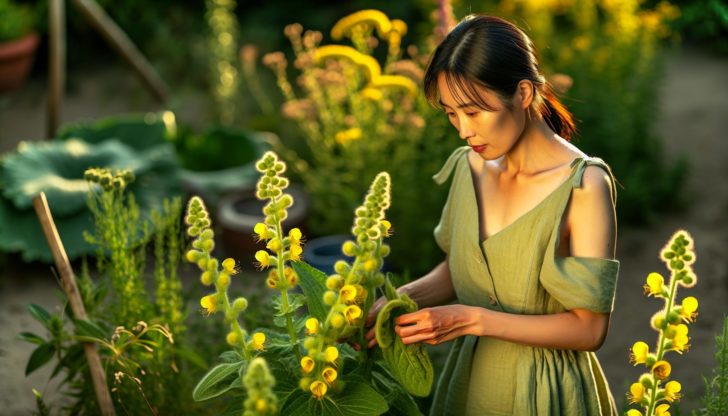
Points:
x=322 y=253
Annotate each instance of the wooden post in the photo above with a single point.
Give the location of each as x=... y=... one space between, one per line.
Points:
x=68 y=281
x=123 y=45
x=56 y=63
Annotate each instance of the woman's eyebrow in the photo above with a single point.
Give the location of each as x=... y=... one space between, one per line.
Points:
x=463 y=105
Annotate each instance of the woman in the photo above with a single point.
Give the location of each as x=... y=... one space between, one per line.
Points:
x=529 y=233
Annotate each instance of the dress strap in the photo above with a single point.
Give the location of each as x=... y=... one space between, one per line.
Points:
x=582 y=163
x=446 y=170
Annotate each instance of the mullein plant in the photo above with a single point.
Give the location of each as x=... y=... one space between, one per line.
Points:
x=281 y=248
x=259 y=382
x=351 y=292
x=218 y=275
x=654 y=392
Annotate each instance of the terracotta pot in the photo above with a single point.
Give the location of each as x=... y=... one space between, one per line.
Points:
x=239 y=211
x=16 y=59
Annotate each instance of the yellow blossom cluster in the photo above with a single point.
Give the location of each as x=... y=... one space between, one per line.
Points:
x=671 y=324
x=348 y=291
x=218 y=275
x=280 y=247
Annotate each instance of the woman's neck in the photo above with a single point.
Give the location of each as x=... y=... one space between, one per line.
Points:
x=535 y=151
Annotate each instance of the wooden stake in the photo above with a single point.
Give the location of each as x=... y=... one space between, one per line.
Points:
x=68 y=281
x=124 y=46
x=56 y=63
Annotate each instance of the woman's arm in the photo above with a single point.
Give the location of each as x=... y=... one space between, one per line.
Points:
x=592 y=226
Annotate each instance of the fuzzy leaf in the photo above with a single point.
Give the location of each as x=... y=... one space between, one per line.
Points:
x=40 y=356
x=313 y=283
x=217 y=381
x=400 y=402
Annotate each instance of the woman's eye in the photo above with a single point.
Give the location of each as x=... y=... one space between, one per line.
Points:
x=451 y=115
x=472 y=113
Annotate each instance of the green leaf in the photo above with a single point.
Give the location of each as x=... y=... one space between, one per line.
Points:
x=89 y=329
x=138 y=131
x=40 y=356
x=313 y=283
x=357 y=399
x=400 y=402
x=217 y=381
x=411 y=366
x=30 y=337
x=41 y=315
x=297 y=403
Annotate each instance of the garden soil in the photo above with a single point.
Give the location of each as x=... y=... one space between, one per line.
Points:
x=692 y=122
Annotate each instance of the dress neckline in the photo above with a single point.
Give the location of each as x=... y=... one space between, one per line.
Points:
x=526 y=214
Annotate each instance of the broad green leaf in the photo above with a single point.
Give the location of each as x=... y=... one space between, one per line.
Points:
x=138 y=131
x=231 y=356
x=357 y=399
x=313 y=283
x=30 y=337
x=89 y=329
x=400 y=402
x=40 y=314
x=297 y=403
x=217 y=381
x=411 y=366
x=41 y=355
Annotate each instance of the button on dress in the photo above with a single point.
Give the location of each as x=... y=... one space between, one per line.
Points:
x=518 y=271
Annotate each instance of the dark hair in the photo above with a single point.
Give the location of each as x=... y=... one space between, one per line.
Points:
x=494 y=53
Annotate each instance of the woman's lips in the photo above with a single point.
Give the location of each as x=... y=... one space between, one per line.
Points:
x=479 y=148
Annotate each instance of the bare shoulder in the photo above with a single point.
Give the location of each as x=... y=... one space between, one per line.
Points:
x=591 y=217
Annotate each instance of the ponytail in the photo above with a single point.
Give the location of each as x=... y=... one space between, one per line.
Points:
x=556 y=115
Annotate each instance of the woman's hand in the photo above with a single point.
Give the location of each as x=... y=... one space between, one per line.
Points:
x=439 y=324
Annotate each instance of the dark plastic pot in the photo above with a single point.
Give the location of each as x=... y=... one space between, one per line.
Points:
x=322 y=253
x=239 y=211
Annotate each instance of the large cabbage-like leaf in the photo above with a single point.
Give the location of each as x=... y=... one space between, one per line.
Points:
x=57 y=168
x=138 y=131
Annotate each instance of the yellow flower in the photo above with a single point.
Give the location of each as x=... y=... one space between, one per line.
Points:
x=295 y=236
x=661 y=370
x=348 y=293
x=331 y=354
x=349 y=135
x=262 y=232
x=295 y=252
x=662 y=410
x=399 y=26
x=687 y=311
x=352 y=313
x=209 y=304
x=258 y=341
x=681 y=339
x=655 y=284
x=329 y=374
x=632 y=412
x=370 y=65
x=639 y=353
x=372 y=94
x=371 y=17
x=274 y=245
x=230 y=266
x=307 y=364
x=387 y=227
x=672 y=391
x=263 y=258
x=312 y=326
x=318 y=388
x=636 y=393
x=394 y=81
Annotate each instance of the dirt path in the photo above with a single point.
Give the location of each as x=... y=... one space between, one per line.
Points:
x=693 y=122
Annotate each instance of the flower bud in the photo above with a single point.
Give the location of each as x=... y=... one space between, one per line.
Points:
x=240 y=304
x=349 y=248
x=334 y=282
x=207 y=234
x=232 y=338
x=337 y=321
x=341 y=267
x=223 y=280
x=330 y=297
x=193 y=256
x=647 y=380
x=207 y=278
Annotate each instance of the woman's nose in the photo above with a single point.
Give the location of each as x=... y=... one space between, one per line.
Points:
x=464 y=129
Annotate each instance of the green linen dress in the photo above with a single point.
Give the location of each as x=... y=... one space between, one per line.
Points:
x=517 y=271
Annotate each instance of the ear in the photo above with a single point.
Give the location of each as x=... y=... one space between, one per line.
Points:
x=524 y=94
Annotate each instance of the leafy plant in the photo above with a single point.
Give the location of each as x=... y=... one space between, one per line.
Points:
x=360 y=115
x=653 y=393
x=16 y=20
x=715 y=401
x=334 y=379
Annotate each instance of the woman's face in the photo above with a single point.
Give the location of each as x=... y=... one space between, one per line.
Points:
x=491 y=134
